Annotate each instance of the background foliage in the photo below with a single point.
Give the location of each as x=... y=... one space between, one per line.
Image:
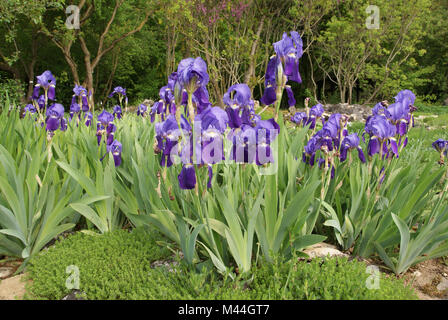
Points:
x=342 y=61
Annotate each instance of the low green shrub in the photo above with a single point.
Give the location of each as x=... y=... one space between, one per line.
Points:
x=117 y=265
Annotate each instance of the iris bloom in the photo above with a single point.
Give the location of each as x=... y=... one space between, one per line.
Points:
x=351 y=142
x=301 y=118
x=30 y=108
x=192 y=74
x=283 y=67
x=239 y=104
x=75 y=109
x=118 y=90
x=105 y=127
x=88 y=116
x=55 y=116
x=117 y=112
x=382 y=136
x=141 y=110
x=80 y=97
x=441 y=146
x=47 y=82
x=115 y=148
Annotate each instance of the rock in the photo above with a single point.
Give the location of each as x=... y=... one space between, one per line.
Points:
x=445 y=103
x=417 y=273
x=75 y=295
x=323 y=249
x=443 y=285
x=292 y=110
x=6 y=272
x=356 y=112
x=148 y=102
x=445 y=274
x=12 y=288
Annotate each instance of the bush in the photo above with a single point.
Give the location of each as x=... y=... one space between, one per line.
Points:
x=13 y=89
x=117 y=265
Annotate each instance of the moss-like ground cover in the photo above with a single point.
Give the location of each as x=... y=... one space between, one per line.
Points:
x=118 y=265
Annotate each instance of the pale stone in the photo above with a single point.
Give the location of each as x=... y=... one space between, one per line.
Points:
x=6 y=272
x=443 y=285
x=323 y=250
x=12 y=288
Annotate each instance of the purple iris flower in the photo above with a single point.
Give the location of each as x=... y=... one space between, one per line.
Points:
x=63 y=124
x=289 y=50
x=172 y=78
x=440 y=145
x=317 y=110
x=239 y=102
x=105 y=127
x=351 y=142
x=283 y=67
x=313 y=145
x=41 y=102
x=75 y=109
x=117 y=112
x=299 y=118
x=381 y=109
x=266 y=132
x=382 y=134
x=192 y=74
x=105 y=118
x=88 y=116
x=118 y=90
x=55 y=114
x=81 y=93
x=141 y=110
x=157 y=108
x=115 y=148
x=168 y=136
x=187 y=177
x=30 y=108
x=407 y=97
x=47 y=82
x=200 y=99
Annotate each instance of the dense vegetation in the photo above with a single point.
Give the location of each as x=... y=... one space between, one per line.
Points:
x=214 y=168
x=137 y=44
x=120 y=265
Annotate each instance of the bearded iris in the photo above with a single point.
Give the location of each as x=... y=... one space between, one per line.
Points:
x=80 y=97
x=117 y=112
x=142 y=110
x=382 y=136
x=441 y=146
x=283 y=67
x=55 y=117
x=105 y=127
x=121 y=93
x=192 y=74
x=88 y=116
x=47 y=82
x=351 y=142
x=115 y=148
x=75 y=110
x=304 y=119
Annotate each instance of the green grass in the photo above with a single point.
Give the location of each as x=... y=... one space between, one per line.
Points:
x=118 y=266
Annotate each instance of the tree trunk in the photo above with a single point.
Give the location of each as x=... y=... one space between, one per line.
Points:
x=251 y=71
x=89 y=69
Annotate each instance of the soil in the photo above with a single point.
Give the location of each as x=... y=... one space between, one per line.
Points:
x=430 y=279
